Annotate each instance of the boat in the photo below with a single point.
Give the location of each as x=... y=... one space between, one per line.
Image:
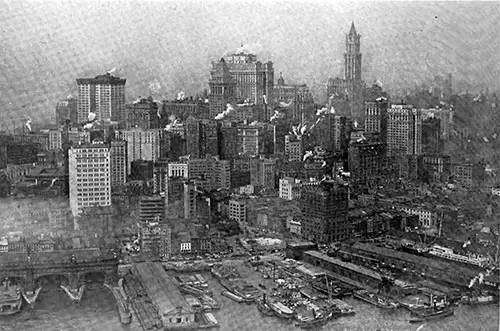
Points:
x=309 y=321
x=345 y=309
x=232 y=296
x=264 y=307
x=280 y=309
x=481 y=299
x=419 y=317
x=449 y=254
x=375 y=300
x=10 y=298
x=414 y=248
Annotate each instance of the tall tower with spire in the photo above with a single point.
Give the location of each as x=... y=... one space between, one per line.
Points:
x=352 y=55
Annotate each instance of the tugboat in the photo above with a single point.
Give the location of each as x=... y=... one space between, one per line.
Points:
x=310 y=322
x=432 y=313
x=375 y=300
x=10 y=298
x=264 y=307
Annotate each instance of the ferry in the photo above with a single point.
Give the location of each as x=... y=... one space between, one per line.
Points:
x=232 y=296
x=264 y=307
x=281 y=310
x=375 y=300
x=419 y=317
x=448 y=254
x=10 y=298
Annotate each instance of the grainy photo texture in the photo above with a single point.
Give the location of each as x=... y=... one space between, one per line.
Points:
x=249 y=165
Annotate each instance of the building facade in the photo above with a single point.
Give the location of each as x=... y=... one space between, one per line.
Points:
x=141 y=145
x=290 y=188
x=404 y=131
x=237 y=211
x=324 y=212
x=293 y=148
x=103 y=95
x=376 y=118
x=366 y=161
x=143 y=113
x=222 y=88
x=66 y=111
x=118 y=159
x=89 y=177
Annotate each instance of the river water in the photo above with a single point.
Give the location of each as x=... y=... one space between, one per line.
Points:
x=97 y=312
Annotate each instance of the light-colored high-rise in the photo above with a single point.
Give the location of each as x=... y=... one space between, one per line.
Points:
x=141 y=145
x=103 y=95
x=89 y=177
x=404 y=130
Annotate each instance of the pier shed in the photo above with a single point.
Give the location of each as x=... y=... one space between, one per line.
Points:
x=173 y=309
x=345 y=269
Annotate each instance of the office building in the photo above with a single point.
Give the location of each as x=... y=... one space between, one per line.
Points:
x=431 y=136
x=263 y=172
x=103 y=95
x=152 y=209
x=118 y=159
x=351 y=87
x=160 y=177
x=178 y=169
x=366 y=161
x=215 y=171
x=55 y=140
x=66 y=111
x=293 y=148
x=142 y=113
x=237 y=210
x=141 y=145
x=254 y=80
x=376 y=118
x=222 y=88
x=182 y=108
x=324 y=212
x=192 y=126
x=89 y=177
x=228 y=142
x=156 y=240
x=290 y=188
x=257 y=139
x=190 y=196
x=209 y=138
x=404 y=131
x=297 y=98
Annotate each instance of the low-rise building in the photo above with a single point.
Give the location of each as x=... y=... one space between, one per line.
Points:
x=289 y=188
x=237 y=210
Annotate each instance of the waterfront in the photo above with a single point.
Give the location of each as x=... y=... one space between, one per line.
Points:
x=97 y=311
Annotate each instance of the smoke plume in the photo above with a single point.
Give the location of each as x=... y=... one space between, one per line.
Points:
x=226 y=112
x=28 y=124
x=307 y=155
x=181 y=96
x=276 y=115
x=249 y=48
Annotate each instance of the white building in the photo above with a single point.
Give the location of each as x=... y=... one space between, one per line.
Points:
x=178 y=169
x=89 y=177
x=289 y=188
x=237 y=210
x=55 y=140
x=141 y=145
x=426 y=217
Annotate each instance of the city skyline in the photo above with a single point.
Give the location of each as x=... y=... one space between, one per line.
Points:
x=150 y=48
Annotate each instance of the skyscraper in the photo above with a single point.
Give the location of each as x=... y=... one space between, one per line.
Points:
x=193 y=137
x=254 y=80
x=222 y=88
x=324 y=211
x=89 y=177
x=351 y=87
x=103 y=95
x=376 y=118
x=404 y=131
x=118 y=159
x=142 y=113
x=141 y=145
x=66 y=110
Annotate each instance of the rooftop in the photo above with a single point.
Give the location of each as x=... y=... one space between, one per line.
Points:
x=346 y=265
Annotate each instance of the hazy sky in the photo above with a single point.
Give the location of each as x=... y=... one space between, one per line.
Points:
x=163 y=47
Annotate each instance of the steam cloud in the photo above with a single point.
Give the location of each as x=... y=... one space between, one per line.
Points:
x=276 y=115
x=226 y=112
x=173 y=122
x=307 y=155
x=28 y=124
x=111 y=71
x=285 y=105
x=249 y=48
x=154 y=86
x=181 y=96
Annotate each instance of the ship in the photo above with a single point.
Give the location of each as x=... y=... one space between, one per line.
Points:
x=232 y=296
x=309 y=321
x=434 y=314
x=280 y=309
x=375 y=300
x=448 y=254
x=414 y=248
x=10 y=298
x=241 y=288
x=264 y=307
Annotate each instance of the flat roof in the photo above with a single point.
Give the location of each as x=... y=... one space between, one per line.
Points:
x=346 y=265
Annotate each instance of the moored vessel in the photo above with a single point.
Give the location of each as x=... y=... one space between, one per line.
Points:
x=434 y=314
x=263 y=306
x=10 y=298
x=281 y=310
x=232 y=296
x=375 y=300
